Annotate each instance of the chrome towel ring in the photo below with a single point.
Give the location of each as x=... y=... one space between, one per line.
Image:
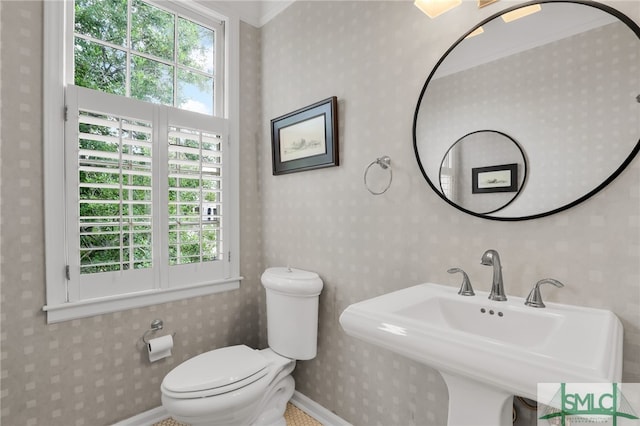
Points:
x=385 y=163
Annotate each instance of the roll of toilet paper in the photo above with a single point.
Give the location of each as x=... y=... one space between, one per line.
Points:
x=160 y=347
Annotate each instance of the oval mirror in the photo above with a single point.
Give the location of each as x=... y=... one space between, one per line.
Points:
x=483 y=171
x=560 y=77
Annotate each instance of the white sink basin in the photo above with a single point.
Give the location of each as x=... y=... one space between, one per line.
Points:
x=505 y=346
x=508 y=324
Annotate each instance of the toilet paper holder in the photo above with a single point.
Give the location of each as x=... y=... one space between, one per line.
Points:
x=156 y=325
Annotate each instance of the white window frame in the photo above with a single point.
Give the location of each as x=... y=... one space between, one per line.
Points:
x=59 y=305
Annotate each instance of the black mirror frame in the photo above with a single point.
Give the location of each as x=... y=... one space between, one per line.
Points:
x=524 y=170
x=622 y=17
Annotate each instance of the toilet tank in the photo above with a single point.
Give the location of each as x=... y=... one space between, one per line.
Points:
x=292 y=311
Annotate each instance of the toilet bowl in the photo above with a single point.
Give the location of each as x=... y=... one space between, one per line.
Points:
x=235 y=385
x=238 y=385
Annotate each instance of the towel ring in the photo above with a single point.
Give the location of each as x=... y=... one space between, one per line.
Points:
x=385 y=163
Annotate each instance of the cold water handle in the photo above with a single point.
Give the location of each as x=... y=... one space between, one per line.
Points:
x=535 y=297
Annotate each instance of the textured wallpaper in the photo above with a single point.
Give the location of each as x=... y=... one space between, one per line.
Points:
x=95 y=371
x=375 y=57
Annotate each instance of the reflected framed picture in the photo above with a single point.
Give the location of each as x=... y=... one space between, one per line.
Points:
x=502 y=178
x=306 y=139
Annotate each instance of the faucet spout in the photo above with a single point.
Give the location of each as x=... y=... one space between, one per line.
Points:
x=492 y=258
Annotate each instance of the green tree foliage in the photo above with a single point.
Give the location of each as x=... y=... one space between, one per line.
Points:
x=103 y=185
x=98 y=66
x=104 y=67
x=185 y=196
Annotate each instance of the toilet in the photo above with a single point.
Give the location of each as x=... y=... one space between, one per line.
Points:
x=238 y=385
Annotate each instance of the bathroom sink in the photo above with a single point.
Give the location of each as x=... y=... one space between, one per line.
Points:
x=505 y=345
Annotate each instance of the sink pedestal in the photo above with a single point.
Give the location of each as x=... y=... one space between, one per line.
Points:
x=472 y=403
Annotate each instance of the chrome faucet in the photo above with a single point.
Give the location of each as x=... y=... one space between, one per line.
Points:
x=491 y=258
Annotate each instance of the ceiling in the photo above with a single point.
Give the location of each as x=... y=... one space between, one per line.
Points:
x=254 y=12
x=554 y=22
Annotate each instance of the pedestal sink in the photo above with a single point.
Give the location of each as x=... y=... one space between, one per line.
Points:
x=488 y=351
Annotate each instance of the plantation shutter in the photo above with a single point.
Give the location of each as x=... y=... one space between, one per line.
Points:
x=144 y=189
x=196 y=231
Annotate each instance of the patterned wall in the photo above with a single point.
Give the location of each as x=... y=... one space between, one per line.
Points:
x=375 y=56
x=94 y=371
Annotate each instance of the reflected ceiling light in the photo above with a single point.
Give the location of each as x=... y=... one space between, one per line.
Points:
x=433 y=8
x=475 y=32
x=483 y=3
x=521 y=13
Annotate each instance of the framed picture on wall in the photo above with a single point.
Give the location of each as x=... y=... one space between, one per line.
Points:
x=306 y=139
x=502 y=178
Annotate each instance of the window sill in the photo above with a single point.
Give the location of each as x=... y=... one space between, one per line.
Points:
x=91 y=307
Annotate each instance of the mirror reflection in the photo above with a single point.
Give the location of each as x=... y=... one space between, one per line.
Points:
x=562 y=81
x=483 y=171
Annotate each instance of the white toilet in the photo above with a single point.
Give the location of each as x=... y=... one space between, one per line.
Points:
x=241 y=386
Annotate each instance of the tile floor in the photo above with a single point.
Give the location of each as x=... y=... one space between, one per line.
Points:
x=294 y=417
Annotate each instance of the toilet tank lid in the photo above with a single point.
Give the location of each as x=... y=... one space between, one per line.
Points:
x=214 y=369
x=292 y=281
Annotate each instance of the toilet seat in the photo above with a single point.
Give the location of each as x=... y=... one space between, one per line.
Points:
x=215 y=372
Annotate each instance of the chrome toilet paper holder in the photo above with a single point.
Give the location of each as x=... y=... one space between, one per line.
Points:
x=156 y=325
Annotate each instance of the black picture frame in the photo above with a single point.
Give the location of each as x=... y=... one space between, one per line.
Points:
x=501 y=178
x=306 y=139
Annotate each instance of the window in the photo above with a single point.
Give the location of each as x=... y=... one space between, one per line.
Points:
x=144 y=157
x=136 y=49
x=447 y=175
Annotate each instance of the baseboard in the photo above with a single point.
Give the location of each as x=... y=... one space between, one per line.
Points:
x=317 y=411
x=306 y=404
x=147 y=418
